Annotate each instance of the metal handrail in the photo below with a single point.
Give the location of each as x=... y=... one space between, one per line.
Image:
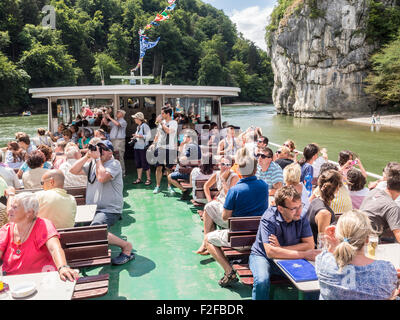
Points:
x=370 y=174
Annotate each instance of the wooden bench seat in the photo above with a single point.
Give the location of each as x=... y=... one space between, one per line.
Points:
x=91 y=287
x=85 y=246
x=242 y=233
x=200 y=194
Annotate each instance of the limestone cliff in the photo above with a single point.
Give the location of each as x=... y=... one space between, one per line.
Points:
x=320 y=63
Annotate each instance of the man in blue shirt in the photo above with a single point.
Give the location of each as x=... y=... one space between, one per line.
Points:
x=249 y=197
x=284 y=233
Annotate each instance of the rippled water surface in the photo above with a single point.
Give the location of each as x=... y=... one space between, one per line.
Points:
x=375 y=148
x=10 y=125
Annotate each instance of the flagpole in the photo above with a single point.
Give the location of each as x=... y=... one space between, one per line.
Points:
x=141 y=74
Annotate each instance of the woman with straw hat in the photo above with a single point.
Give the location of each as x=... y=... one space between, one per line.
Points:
x=141 y=137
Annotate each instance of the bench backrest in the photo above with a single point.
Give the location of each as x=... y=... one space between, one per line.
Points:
x=78 y=192
x=82 y=244
x=243 y=230
x=200 y=185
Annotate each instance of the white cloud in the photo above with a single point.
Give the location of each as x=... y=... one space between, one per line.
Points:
x=251 y=22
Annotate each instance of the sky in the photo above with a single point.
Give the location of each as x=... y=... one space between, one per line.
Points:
x=250 y=16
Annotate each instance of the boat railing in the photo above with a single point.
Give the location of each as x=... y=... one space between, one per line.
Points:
x=370 y=174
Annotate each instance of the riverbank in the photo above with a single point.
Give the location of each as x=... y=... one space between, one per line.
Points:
x=246 y=104
x=389 y=121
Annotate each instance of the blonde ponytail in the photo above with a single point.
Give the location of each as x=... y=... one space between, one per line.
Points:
x=352 y=231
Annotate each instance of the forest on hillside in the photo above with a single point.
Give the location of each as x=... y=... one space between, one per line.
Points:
x=199 y=45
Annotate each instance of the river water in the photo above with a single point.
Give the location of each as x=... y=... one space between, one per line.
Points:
x=375 y=148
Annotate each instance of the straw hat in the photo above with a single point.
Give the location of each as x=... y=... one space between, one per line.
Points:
x=139 y=116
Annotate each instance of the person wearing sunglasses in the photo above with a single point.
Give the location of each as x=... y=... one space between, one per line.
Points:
x=262 y=142
x=269 y=171
x=105 y=188
x=55 y=204
x=282 y=157
x=292 y=147
x=284 y=233
x=212 y=214
x=249 y=197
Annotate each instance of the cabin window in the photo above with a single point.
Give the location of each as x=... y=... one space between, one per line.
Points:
x=149 y=102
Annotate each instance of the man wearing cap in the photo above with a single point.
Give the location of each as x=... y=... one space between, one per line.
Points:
x=105 y=189
x=142 y=137
x=118 y=134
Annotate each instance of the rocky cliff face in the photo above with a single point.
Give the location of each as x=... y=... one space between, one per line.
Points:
x=320 y=63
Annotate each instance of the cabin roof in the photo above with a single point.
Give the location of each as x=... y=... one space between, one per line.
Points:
x=110 y=91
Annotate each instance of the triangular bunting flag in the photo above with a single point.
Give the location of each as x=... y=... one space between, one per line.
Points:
x=170 y=8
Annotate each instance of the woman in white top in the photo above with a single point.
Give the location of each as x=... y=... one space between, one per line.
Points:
x=291 y=177
x=224 y=179
x=142 y=136
x=42 y=138
x=229 y=145
x=15 y=155
x=32 y=178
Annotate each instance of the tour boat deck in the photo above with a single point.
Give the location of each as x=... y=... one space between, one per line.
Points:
x=164 y=232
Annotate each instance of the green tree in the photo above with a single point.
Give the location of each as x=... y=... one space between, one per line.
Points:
x=384 y=79
x=118 y=44
x=49 y=66
x=383 y=22
x=30 y=11
x=107 y=66
x=4 y=40
x=13 y=86
x=211 y=72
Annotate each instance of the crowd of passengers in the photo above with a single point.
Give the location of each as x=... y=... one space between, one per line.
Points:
x=298 y=197
x=34 y=175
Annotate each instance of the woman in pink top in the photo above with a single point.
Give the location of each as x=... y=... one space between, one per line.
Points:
x=29 y=244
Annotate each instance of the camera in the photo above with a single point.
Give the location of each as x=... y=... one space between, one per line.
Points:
x=91 y=147
x=94 y=148
x=132 y=142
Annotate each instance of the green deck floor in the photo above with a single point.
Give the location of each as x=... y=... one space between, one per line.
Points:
x=164 y=232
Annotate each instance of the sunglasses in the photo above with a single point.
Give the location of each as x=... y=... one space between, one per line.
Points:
x=225 y=165
x=279 y=152
x=260 y=141
x=263 y=156
x=42 y=182
x=294 y=209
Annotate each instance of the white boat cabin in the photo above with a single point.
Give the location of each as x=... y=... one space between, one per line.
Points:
x=65 y=103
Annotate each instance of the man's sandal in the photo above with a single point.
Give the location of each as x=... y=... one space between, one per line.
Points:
x=137 y=181
x=228 y=280
x=148 y=182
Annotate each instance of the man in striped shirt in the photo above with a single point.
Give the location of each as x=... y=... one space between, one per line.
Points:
x=269 y=171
